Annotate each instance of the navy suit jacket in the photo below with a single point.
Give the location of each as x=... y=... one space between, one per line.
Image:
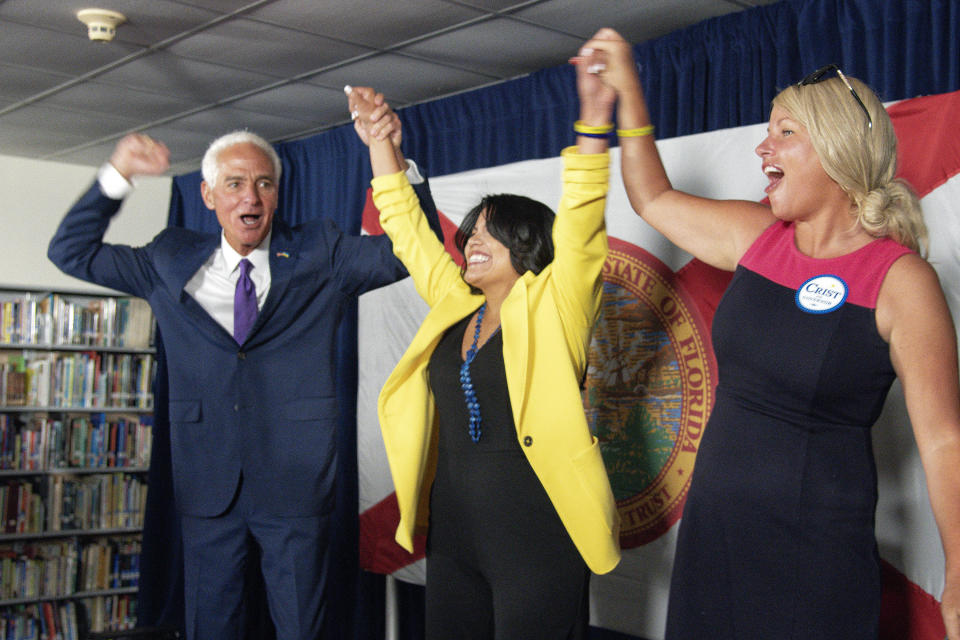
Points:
x=265 y=409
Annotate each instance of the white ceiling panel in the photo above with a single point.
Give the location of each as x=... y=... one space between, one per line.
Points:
x=186 y=147
x=227 y=6
x=637 y=21
x=96 y=154
x=402 y=79
x=310 y=104
x=214 y=122
x=494 y=5
x=503 y=47
x=93 y=98
x=373 y=23
x=49 y=129
x=278 y=51
x=49 y=50
x=22 y=82
x=201 y=83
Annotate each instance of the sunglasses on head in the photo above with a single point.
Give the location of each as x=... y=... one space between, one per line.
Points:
x=818 y=76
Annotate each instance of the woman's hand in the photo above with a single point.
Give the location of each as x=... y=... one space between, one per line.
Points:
x=378 y=127
x=372 y=116
x=611 y=58
x=596 y=97
x=596 y=101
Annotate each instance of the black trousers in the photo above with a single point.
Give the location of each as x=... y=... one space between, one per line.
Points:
x=546 y=602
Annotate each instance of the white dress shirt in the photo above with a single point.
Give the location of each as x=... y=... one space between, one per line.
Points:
x=214 y=283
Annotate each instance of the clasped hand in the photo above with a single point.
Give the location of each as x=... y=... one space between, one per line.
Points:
x=373 y=119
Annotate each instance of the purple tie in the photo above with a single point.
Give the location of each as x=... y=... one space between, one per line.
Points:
x=244 y=303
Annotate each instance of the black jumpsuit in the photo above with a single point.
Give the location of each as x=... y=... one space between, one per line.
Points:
x=499 y=562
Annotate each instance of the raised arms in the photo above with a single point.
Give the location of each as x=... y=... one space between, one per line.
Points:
x=716 y=231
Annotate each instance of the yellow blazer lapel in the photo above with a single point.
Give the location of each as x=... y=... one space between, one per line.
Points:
x=448 y=311
x=515 y=325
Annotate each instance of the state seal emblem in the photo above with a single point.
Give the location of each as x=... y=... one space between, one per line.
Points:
x=649 y=389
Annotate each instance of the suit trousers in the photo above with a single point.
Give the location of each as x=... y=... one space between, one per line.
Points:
x=294 y=560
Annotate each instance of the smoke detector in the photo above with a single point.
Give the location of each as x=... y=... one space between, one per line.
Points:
x=101 y=23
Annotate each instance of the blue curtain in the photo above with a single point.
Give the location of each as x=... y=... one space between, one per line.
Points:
x=717 y=74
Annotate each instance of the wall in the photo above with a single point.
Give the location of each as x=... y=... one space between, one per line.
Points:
x=36 y=195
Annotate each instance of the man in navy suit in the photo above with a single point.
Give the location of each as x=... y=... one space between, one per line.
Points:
x=252 y=418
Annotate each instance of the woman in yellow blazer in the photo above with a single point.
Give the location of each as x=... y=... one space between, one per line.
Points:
x=482 y=417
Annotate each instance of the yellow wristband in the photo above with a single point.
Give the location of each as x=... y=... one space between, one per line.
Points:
x=580 y=127
x=635 y=133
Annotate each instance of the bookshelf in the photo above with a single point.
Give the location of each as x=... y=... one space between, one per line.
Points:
x=76 y=405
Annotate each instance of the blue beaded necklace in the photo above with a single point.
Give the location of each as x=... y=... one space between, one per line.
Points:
x=473 y=405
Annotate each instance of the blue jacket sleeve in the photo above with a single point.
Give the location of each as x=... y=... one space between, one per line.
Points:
x=77 y=247
x=367 y=262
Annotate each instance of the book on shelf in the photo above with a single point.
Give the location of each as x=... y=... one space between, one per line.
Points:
x=28 y=318
x=40 y=621
x=98 y=441
x=93 y=379
x=116 y=612
x=25 y=318
x=60 y=503
x=13 y=382
x=49 y=626
x=38 y=570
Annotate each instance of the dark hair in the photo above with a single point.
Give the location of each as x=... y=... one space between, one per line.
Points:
x=523 y=225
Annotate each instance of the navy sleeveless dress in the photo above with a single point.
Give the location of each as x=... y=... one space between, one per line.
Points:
x=777 y=536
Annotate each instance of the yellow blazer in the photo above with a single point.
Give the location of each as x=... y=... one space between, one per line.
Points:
x=546 y=322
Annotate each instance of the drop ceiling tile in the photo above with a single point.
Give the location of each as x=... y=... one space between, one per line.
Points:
x=481 y=48
x=221 y=6
x=61 y=130
x=279 y=52
x=149 y=23
x=212 y=123
x=495 y=5
x=199 y=82
x=94 y=155
x=402 y=79
x=149 y=106
x=186 y=147
x=374 y=23
x=60 y=53
x=635 y=21
x=20 y=83
x=307 y=103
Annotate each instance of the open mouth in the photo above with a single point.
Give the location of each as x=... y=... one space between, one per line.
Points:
x=477 y=258
x=250 y=219
x=774 y=175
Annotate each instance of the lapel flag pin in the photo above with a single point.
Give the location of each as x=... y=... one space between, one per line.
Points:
x=283 y=254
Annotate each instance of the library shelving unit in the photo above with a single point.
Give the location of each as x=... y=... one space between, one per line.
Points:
x=76 y=413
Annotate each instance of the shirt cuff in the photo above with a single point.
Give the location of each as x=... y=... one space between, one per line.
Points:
x=413 y=172
x=112 y=183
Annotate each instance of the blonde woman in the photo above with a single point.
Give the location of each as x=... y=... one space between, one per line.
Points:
x=830 y=300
